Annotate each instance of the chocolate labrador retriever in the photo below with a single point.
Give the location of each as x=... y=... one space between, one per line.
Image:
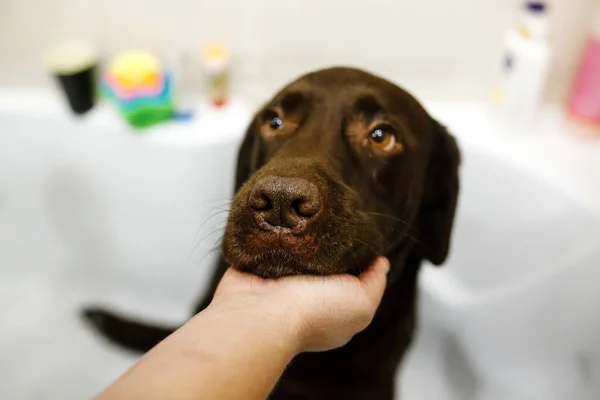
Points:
x=338 y=167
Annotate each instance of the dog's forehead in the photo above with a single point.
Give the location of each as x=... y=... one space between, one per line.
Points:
x=344 y=85
x=343 y=76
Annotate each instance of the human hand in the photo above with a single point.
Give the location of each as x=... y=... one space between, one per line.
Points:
x=317 y=313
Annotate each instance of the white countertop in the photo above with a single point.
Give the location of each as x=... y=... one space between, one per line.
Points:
x=209 y=125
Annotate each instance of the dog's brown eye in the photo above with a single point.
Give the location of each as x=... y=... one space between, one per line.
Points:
x=276 y=123
x=274 y=127
x=381 y=138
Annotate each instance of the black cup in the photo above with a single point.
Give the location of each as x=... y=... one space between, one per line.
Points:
x=74 y=63
x=80 y=89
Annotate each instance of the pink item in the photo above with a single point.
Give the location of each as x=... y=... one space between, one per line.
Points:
x=583 y=116
x=128 y=95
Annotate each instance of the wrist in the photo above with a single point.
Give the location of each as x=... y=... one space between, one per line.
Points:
x=262 y=320
x=289 y=324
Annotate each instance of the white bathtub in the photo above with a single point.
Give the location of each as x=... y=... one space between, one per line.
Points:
x=90 y=213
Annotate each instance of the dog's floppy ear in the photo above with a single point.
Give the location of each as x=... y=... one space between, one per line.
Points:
x=436 y=214
x=248 y=156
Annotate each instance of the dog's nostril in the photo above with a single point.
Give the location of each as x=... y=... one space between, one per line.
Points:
x=306 y=207
x=261 y=202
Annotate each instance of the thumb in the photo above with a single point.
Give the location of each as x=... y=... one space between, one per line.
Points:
x=374 y=279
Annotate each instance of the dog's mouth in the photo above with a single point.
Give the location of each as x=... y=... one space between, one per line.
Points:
x=278 y=254
x=286 y=241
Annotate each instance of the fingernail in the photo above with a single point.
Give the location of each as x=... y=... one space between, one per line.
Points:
x=386 y=264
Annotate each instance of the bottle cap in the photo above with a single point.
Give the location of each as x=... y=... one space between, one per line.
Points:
x=535 y=24
x=216 y=56
x=536 y=6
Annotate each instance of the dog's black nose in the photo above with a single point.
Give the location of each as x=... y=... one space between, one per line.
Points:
x=285 y=202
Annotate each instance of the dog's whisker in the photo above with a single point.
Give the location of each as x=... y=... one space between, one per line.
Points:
x=370 y=247
x=414 y=239
x=220 y=228
x=218 y=212
x=387 y=216
x=206 y=221
x=223 y=200
x=209 y=252
x=200 y=207
x=216 y=247
x=198 y=232
x=404 y=235
x=219 y=242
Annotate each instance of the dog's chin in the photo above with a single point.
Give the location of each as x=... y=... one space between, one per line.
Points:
x=276 y=264
x=278 y=261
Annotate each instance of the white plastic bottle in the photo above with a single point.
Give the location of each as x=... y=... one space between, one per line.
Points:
x=183 y=68
x=525 y=67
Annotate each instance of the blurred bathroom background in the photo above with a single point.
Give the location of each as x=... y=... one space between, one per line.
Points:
x=438 y=49
x=93 y=211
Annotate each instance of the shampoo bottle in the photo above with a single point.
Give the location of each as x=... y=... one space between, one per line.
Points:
x=525 y=66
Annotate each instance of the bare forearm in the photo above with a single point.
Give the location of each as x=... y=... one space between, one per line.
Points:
x=239 y=346
x=218 y=354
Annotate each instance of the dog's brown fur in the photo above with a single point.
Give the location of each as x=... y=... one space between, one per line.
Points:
x=363 y=201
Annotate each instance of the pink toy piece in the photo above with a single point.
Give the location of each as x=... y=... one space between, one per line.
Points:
x=128 y=95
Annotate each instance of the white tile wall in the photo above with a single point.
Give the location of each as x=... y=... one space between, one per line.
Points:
x=440 y=49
